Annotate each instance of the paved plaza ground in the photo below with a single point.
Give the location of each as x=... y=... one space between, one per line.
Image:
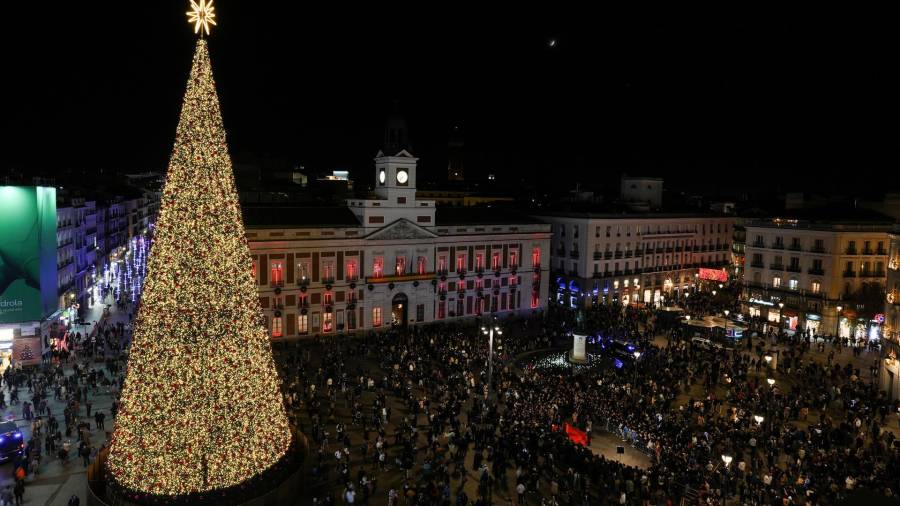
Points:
x=56 y=481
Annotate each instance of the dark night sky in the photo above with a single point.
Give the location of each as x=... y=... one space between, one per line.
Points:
x=775 y=101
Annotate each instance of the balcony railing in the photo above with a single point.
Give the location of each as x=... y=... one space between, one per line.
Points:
x=793 y=268
x=618 y=254
x=573 y=254
x=818 y=272
x=776 y=267
x=759 y=244
x=777 y=245
x=849 y=274
x=607 y=255
x=881 y=251
x=871 y=274
x=757 y=265
x=795 y=247
x=817 y=249
x=868 y=251
x=850 y=251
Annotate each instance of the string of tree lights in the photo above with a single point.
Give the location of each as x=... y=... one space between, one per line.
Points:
x=201 y=407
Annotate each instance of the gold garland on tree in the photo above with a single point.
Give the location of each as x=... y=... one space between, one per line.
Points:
x=201 y=408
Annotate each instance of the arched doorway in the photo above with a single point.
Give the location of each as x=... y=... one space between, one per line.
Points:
x=399 y=310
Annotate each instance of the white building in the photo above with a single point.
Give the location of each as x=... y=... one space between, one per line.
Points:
x=799 y=271
x=635 y=257
x=393 y=260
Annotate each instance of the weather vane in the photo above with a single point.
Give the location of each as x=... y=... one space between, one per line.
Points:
x=202 y=14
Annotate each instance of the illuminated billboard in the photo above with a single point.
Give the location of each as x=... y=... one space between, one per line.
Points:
x=714 y=274
x=27 y=253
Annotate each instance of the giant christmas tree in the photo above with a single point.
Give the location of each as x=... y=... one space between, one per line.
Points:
x=201 y=405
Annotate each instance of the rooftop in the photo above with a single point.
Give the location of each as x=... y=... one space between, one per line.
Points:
x=299 y=217
x=482 y=216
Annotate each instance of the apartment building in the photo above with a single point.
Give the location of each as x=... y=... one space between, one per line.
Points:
x=818 y=271
x=631 y=258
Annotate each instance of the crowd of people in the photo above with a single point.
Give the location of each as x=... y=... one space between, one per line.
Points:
x=406 y=416
x=60 y=399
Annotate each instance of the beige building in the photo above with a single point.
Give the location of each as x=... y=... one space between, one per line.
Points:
x=631 y=258
x=818 y=274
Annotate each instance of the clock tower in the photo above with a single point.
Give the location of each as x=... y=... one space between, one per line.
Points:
x=395 y=183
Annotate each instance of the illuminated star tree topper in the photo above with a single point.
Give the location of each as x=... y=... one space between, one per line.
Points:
x=202 y=15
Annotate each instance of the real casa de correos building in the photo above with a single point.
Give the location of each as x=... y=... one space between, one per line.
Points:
x=393 y=259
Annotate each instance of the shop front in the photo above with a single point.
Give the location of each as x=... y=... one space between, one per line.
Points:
x=813 y=323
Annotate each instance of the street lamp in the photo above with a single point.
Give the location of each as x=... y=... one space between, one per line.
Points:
x=714 y=293
x=837 y=322
x=637 y=355
x=727 y=460
x=771 y=382
x=759 y=418
x=720 y=286
x=490 y=333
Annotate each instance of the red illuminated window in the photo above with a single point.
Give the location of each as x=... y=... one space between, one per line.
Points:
x=479 y=305
x=328 y=299
x=442 y=264
x=479 y=284
x=304 y=299
x=277 y=273
x=303 y=269
x=495 y=261
x=421 y=265
x=536 y=257
x=378 y=267
x=302 y=324
x=513 y=259
x=535 y=300
x=461 y=263
x=328 y=270
x=479 y=261
x=513 y=280
x=442 y=310
x=376 y=316
x=254 y=271
x=327 y=322
x=276 y=327
x=351 y=270
x=401 y=266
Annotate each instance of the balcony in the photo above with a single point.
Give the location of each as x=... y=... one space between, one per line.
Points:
x=628 y=272
x=759 y=244
x=573 y=254
x=618 y=254
x=618 y=273
x=868 y=251
x=817 y=272
x=778 y=245
x=795 y=247
x=849 y=274
x=598 y=275
x=850 y=251
x=573 y=274
x=628 y=254
x=649 y=251
x=776 y=267
x=607 y=255
x=817 y=249
x=277 y=284
x=881 y=251
x=328 y=281
x=871 y=274
x=793 y=268
x=598 y=255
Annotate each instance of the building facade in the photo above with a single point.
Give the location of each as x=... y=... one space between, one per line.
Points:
x=892 y=302
x=822 y=276
x=639 y=258
x=393 y=260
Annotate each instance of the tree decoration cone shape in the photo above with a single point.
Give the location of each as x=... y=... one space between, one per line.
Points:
x=201 y=407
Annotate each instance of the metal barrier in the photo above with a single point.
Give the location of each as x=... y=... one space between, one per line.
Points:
x=629 y=436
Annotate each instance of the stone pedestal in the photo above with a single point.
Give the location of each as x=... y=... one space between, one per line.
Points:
x=578 y=354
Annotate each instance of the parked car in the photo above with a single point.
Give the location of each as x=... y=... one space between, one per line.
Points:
x=12 y=443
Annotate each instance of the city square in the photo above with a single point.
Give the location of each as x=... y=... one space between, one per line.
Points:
x=391 y=309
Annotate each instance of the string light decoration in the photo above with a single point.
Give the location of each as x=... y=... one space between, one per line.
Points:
x=201 y=407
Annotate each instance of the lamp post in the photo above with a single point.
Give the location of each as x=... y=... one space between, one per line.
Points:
x=637 y=355
x=837 y=322
x=726 y=321
x=727 y=460
x=489 y=331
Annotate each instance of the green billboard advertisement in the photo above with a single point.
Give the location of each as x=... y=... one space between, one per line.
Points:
x=27 y=253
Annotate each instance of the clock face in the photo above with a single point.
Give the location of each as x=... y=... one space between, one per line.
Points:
x=381 y=177
x=402 y=176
